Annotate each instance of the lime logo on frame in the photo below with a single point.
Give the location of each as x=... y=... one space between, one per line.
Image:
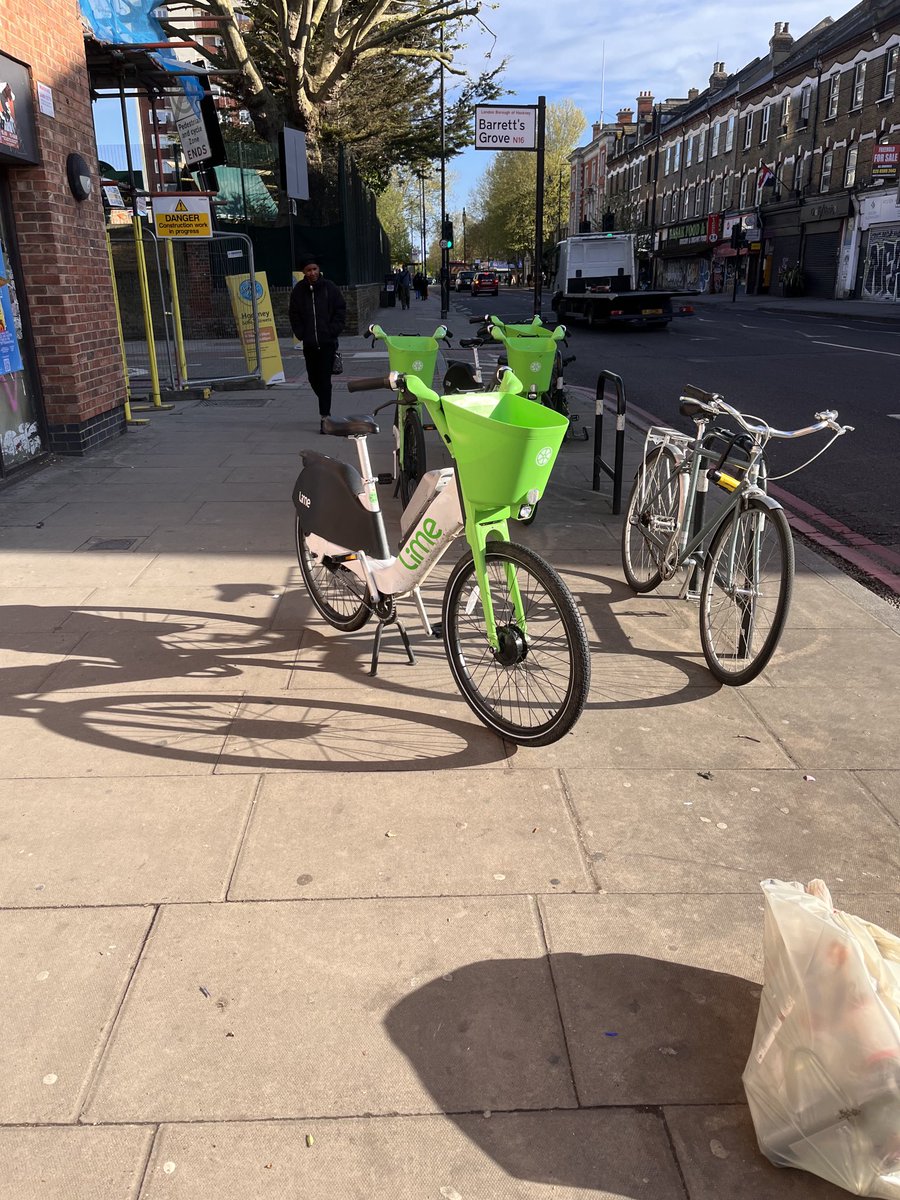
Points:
x=419 y=544
x=543 y=456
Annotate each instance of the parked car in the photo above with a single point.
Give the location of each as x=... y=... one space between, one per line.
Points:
x=486 y=283
x=464 y=281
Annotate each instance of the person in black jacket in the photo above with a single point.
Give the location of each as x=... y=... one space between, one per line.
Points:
x=317 y=311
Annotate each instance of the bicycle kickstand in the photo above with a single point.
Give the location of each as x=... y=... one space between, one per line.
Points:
x=376 y=649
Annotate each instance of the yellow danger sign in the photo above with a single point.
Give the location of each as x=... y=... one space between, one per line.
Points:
x=186 y=216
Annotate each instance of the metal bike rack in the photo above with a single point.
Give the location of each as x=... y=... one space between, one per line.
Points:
x=615 y=472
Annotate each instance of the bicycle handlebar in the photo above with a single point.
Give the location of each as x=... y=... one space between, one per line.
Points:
x=824 y=420
x=373 y=384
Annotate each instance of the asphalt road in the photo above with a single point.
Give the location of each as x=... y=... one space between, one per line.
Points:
x=784 y=368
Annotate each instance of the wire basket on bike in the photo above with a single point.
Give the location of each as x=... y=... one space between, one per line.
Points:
x=504 y=445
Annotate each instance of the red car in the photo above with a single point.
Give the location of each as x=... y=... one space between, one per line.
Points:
x=486 y=283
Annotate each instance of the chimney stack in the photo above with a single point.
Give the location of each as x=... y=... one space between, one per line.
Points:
x=624 y=116
x=780 y=44
x=719 y=77
x=644 y=105
x=693 y=93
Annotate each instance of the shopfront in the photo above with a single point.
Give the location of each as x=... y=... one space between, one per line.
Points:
x=877 y=268
x=22 y=427
x=822 y=222
x=684 y=257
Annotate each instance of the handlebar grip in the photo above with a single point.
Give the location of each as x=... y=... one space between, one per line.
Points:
x=477 y=320
x=375 y=384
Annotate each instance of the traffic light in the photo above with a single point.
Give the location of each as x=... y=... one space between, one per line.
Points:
x=447 y=235
x=738 y=237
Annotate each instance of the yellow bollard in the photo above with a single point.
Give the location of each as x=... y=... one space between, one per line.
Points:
x=176 y=314
x=129 y=419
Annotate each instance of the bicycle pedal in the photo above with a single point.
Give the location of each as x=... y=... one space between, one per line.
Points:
x=385 y=477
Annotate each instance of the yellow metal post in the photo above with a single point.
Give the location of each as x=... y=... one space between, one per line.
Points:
x=130 y=420
x=176 y=313
x=155 y=397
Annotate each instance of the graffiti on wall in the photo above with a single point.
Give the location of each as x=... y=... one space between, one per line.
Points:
x=881 y=273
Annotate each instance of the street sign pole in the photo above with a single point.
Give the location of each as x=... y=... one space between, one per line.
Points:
x=445 y=253
x=539 y=206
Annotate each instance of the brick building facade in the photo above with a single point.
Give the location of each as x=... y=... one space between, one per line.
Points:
x=797 y=146
x=69 y=394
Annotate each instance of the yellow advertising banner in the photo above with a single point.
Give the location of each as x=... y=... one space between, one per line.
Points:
x=272 y=369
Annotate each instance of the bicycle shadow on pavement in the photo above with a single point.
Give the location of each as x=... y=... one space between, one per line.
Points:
x=629 y=1032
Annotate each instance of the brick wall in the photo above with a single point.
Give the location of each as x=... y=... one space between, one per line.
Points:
x=61 y=240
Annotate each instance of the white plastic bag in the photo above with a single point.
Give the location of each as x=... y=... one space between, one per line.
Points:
x=823 y=1077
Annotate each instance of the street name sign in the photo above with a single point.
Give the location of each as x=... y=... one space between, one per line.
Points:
x=499 y=127
x=182 y=216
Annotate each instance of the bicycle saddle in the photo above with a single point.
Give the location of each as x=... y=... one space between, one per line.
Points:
x=697 y=403
x=349 y=426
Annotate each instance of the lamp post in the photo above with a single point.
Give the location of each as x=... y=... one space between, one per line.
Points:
x=445 y=253
x=465 y=256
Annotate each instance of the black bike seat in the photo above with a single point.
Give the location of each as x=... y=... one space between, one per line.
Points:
x=695 y=402
x=349 y=426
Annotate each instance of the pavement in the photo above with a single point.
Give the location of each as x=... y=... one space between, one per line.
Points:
x=272 y=928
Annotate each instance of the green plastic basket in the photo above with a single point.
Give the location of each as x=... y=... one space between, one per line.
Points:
x=532 y=358
x=504 y=445
x=413 y=355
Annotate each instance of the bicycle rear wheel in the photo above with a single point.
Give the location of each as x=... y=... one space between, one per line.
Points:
x=339 y=595
x=412 y=465
x=532 y=690
x=654 y=514
x=746 y=592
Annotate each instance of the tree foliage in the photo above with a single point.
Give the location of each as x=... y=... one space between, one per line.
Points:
x=361 y=72
x=504 y=200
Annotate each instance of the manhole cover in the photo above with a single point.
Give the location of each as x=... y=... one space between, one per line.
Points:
x=248 y=403
x=110 y=544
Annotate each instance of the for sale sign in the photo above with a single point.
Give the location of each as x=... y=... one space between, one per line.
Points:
x=502 y=128
x=885 y=161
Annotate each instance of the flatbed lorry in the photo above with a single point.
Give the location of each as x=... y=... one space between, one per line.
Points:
x=595 y=277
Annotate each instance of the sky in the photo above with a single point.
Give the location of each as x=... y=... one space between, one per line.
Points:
x=661 y=46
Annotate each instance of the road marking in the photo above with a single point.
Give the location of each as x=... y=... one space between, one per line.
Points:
x=896 y=416
x=859 y=349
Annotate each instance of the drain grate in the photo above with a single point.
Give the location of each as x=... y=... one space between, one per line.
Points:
x=250 y=402
x=110 y=544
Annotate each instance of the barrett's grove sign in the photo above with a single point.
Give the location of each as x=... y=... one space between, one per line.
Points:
x=501 y=128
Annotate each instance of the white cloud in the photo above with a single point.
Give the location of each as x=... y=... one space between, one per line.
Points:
x=556 y=48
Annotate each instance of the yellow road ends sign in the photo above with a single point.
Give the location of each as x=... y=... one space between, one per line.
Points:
x=182 y=216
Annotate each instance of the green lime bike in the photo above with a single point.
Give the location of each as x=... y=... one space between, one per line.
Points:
x=513 y=636
x=412 y=355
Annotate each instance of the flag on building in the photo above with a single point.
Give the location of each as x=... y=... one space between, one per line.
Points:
x=766 y=177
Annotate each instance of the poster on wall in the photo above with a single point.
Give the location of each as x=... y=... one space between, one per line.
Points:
x=10 y=355
x=18 y=141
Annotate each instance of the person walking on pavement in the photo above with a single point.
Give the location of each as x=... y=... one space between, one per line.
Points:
x=317 y=311
x=404 y=283
x=417 y=284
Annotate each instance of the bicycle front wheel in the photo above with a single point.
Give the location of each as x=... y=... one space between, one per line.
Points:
x=412 y=465
x=653 y=517
x=339 y=595
x=532 y=689
x=747 y=584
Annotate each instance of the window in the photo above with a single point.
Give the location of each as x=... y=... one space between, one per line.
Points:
x=688 y=197
x=748 y=131
x=825 y=182
x=764 y=128
x=712 y=195
x=698 y=200
x=677 y=162
x=788 y=170
x=668 y=160
x=850 y=168
x=665 y=207
x=757 y=198
x=745 y=187
x=785 y=112
x=689 y=152
x=726 y=192
x=635 y=175
x=833 y=95
x=859 y=85
x=729 y=134
x=701 y=145
x=890 y=73
x=717 y=130
x=805 y=97
x=674 y=211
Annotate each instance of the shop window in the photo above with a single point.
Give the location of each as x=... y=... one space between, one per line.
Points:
x=850 y=168
x=890 y=73
x=859 y=85
x=764 y=125
x=834 y=92
x=827 y=161
x=729 y=133
x=20 y=435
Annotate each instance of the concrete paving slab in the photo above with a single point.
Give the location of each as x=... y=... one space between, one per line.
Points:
x=674 y=831
x=114 y=734
x=121 y=519
x=823 y=603
x=885 y=785
x=28 y=659
x=719 y=1156
x=119 y=841
x=636 y=723
x=244 y=514
x=812 y=658
x=186 y=570
x=356 y=731
x=371 y=835
x=329 y=659
x=167 y=470
x=175 y=660
x=658 y=994
x=236 y=606
x=38 y=610
x=98 y=569
x=73 y=1163
x=222 y=540
x=26 y=512
x=326 y=1022
x=518 y=1156
x=64 y=974
x=837 y=727
x=61 y=539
